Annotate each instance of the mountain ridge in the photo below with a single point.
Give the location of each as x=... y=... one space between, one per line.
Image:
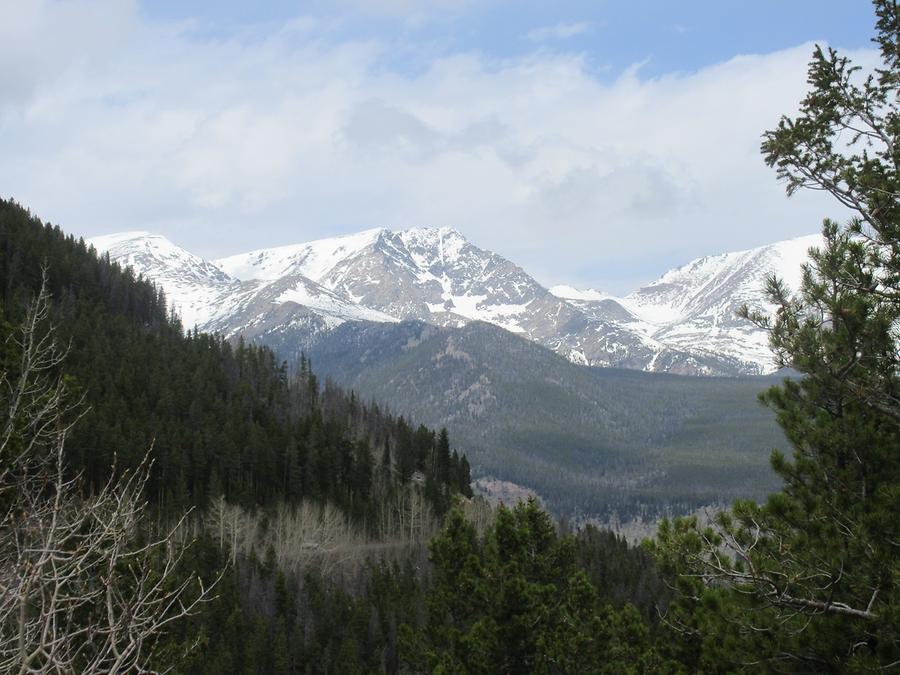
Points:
x=587 y=440
x=290 y=296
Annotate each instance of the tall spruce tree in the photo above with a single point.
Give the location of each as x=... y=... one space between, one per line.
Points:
x=811 y=582
x=517 y=602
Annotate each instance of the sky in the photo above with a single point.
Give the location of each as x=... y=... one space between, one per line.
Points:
x=594 y=143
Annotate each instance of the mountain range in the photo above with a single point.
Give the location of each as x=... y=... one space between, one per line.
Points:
x=457 y=336
x=290 y=297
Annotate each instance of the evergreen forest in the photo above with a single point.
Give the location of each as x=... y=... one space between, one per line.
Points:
x=172 y=501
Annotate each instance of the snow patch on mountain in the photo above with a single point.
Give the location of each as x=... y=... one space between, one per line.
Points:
x=313 y=259
x=197 y=290
x=290 y=296
x=588 y=295
x=328 y=303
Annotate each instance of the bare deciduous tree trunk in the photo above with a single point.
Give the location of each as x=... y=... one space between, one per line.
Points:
x=78 y=592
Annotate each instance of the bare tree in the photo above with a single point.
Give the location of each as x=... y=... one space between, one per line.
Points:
x=407 y=516
x=235 y=529
x=312 y=535
x=301 y=537
x=80 y=592
x=480 y=513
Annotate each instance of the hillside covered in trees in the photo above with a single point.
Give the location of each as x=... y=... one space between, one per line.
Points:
x=230 y=432
x=312 y=510
x=170 y=502
x=222 y=419
x=592 y=442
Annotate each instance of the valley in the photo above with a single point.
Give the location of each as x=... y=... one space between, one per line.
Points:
x=606 y=407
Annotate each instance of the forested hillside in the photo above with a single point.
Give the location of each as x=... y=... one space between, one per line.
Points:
x=222 y=419
x=295 y=485
x=312 y=509
x=589 y=441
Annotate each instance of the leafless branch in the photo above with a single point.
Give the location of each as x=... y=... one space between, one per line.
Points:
x=78 y=591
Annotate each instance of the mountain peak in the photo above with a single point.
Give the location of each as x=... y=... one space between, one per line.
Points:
x=125 y=246
x=685 y=321
x=791 y=252
x=695 y=306
x=313 y=259
x=428 y=245
x=194 y=287
x=431 y=233
x=105 y=242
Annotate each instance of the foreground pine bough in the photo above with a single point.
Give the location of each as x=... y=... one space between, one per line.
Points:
x=810 y=579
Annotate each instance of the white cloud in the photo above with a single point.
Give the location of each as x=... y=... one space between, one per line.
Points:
x=227 y=144
x=559 y=31
x=40 y=38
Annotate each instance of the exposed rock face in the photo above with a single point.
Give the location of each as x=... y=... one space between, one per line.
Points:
x=290 y=297
x=694 y=307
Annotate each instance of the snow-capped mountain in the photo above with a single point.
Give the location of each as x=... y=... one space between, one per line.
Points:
x=694 y=307
x=290 y=296
x=288 y=312
x=197 y=290
x=438 y=276
x=434 y=275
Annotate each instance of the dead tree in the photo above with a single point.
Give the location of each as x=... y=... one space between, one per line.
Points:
x=80 y=591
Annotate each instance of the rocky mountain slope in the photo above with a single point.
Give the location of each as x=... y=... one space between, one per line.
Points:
x=290 y=296
x=289 y=312
x=694 y=307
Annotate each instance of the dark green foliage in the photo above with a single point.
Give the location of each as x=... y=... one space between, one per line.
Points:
x=222 y=418
x=517 y=602
x=622 y=574
x=590 y=441
x=812 y=583
x=264 y=622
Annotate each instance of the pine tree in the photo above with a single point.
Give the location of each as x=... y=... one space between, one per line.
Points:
x=813 y=582
x=442 y=455
x=515 y=602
